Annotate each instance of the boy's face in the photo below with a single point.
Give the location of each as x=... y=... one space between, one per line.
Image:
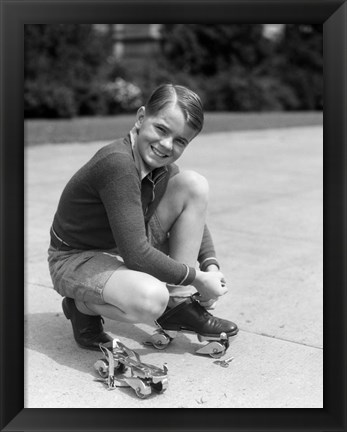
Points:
x=163 y=137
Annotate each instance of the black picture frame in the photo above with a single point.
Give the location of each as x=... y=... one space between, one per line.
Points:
x=14 y=14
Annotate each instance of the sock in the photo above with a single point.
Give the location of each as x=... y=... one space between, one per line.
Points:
x=179 y=293
x=83 y=308
x=176 y=300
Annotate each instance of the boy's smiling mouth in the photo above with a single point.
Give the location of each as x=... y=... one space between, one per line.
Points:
x=158 y=153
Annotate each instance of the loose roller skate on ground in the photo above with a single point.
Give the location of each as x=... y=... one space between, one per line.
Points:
x=122 y=367
x=189 y=316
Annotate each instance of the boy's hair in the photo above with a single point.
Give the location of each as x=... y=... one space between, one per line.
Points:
x=186 y=99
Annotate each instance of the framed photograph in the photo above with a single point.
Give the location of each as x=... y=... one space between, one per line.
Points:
x=15 y=415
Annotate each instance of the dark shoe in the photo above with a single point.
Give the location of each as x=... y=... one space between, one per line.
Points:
x=87 y=329
x=191 y=316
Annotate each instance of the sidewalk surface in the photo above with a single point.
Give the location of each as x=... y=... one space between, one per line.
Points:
x=266 y=216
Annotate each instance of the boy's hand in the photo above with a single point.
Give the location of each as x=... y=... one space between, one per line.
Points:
x=210 y=284
x=209 y=303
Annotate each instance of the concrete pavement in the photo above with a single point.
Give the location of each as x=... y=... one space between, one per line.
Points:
x=266 y=216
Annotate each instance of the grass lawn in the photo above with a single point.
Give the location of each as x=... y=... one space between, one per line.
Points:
x=87 y=129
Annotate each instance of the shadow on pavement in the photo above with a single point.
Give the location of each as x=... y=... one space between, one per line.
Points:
x=51 y=335
x=180 y=345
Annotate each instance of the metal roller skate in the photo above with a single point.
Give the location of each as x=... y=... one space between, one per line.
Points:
x=190 y=317
x=122 y=367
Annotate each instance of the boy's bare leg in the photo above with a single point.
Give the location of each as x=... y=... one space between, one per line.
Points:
x=182 y=212
x=130 y=296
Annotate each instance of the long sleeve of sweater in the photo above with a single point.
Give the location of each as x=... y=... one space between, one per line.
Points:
x=207 y=253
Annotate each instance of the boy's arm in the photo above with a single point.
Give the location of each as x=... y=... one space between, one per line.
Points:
x=208 y=262
x=207 y=254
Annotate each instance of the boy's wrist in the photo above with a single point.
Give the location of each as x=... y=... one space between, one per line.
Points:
x=207 y=262
x=212 y=267
x=198 y=279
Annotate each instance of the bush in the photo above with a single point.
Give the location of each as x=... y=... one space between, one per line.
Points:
x=48 y=100
x=90 y=100
x=121 y=96
x=63 y=65
x=234 y=67
x=70 y=69
x=230 y=91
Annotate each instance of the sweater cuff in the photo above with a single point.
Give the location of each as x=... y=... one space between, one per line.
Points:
x=208 y=261
x=189 y=276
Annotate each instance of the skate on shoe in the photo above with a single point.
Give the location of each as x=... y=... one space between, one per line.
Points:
x=191 y=317
x=122 y=367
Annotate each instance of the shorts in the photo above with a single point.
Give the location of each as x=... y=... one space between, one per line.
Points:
x=82 y=274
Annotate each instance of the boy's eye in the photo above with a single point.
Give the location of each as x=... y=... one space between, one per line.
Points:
x=181 y=143
x=161 y=129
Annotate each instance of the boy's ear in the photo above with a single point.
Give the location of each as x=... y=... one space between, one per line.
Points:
x=140 y=116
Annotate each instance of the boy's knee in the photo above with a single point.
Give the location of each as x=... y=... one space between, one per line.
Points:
x=195 y=185
x=153 y=301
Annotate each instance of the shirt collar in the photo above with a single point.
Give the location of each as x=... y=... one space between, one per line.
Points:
x=140 y=166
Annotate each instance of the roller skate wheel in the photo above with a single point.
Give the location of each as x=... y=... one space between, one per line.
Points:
x=101 y=366
x=143 y=390
x=140 y=394
x=217 y=354
x=218 y=350
x=160 y=341
x=213 y=349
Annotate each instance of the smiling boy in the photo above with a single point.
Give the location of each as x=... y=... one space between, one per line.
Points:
x=130 y=229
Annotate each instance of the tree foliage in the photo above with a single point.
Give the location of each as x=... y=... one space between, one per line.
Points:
x=299 y=63
x=70 y=69
x=63 y=65
x=236 y=67
x=206 y=49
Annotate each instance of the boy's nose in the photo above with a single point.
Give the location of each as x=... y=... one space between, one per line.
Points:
x=166 y=143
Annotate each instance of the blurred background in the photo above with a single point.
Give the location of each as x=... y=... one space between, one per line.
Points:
x=75 y=71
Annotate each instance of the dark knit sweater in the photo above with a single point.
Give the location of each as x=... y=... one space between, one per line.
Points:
x=106 y=205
